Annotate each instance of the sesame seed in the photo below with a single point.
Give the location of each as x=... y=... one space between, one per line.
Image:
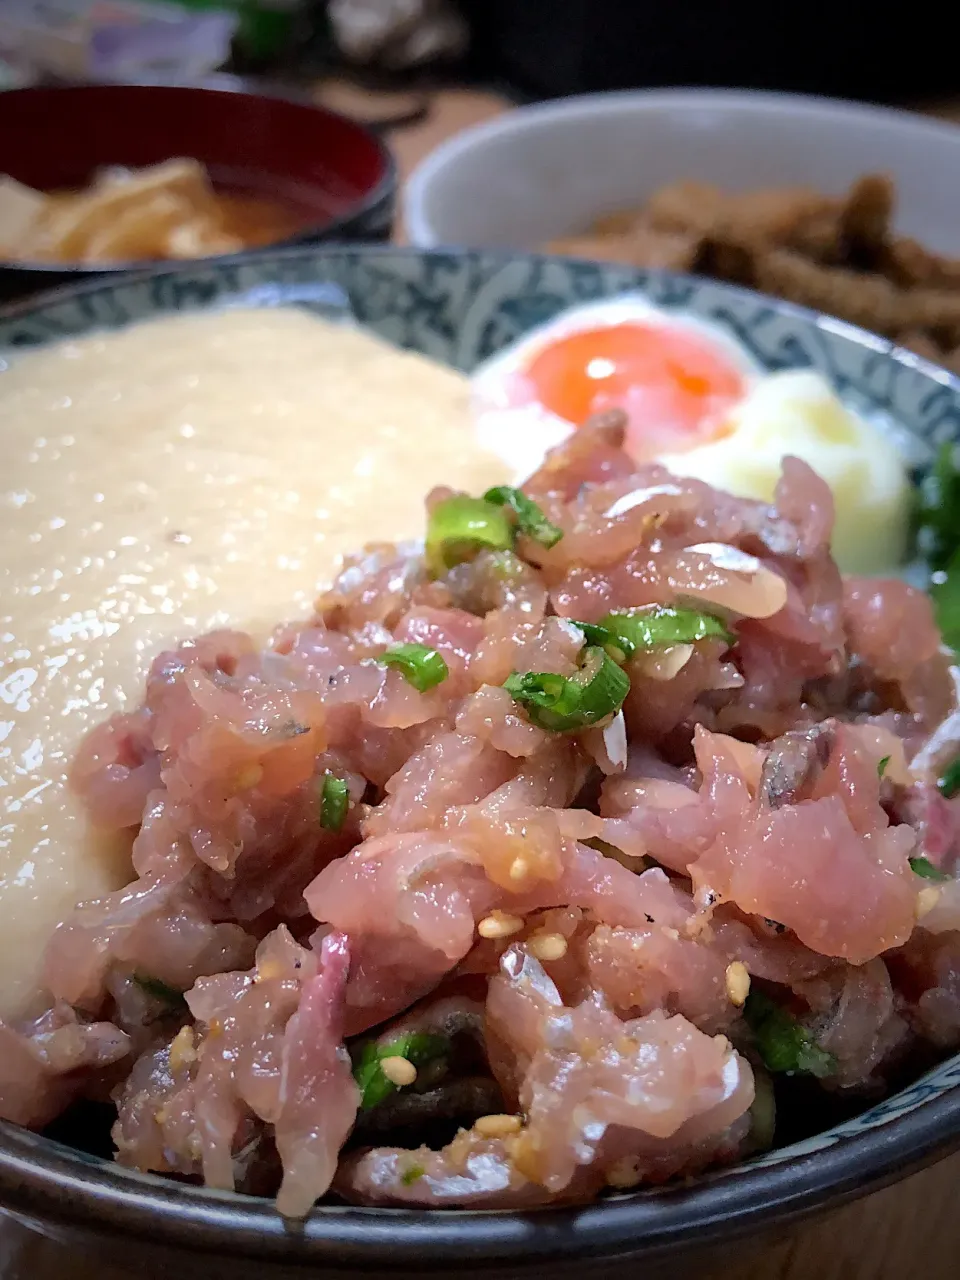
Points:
x=519 y=868
x=399 y=1071
x=548 y=946
x=499 y=924
x=737 y=982
x=497 y=1126
x=182 y=1050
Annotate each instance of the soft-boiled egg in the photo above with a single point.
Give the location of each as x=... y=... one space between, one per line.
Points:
x=797 y=413
x=699 y=404
x=675 y=379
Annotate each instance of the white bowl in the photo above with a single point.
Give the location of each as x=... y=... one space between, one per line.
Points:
x=549 y=170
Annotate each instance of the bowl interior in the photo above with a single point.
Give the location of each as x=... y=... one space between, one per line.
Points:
x=550 y=170
x=460 y=308
x=320 y=165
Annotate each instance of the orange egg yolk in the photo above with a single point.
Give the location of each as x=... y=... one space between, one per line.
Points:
x=683 y=374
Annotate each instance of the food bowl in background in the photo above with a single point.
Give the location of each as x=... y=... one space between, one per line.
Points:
x=548 y=171
x=461 y=307
x=336 y=178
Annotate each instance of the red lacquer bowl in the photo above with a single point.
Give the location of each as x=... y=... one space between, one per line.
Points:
x=335 y=175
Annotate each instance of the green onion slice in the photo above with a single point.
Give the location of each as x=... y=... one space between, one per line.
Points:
x=937 y=513
x=925 y=868
x=423 y=667
x=334 y=801
x=616 y=647
x=783 y=1044
x=945 y=593
x=882 y=766
x=624 y=633
x=461 y=526
x=564 y=704
x=949 y=784
x=936 y=521
x=417 y=1047
x=530 y=519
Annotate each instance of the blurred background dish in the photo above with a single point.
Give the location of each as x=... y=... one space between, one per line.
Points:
x=298 y=172
x=542 y=172
x=842 y=208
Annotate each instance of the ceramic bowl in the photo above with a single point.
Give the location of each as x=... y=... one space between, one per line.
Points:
x=336 y=174
x=460 y=308
x=545 y=171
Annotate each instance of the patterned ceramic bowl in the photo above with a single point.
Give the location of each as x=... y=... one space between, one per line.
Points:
x=460 y=308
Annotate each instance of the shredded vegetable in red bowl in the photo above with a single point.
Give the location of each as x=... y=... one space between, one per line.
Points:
x=592 y=845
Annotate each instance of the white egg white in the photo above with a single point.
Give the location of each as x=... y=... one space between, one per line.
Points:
x=797 y=413
x=790 y=413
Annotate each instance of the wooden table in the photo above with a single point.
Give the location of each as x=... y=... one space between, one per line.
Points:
x=911 y=1230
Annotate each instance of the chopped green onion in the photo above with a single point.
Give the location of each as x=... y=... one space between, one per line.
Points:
x=949 y=784
x=782 y=1042
x=159 y=990
x=412 y=1175
x=937 y=515
x=616 y=647
x=925 y=868
x=937 y=521
x=654 y=628
x=530 y=519
x=461 y=526
x=945 y=593
x=564 y=704
x=882 y=766
x=424 y=668
x=334 y=800
x=624 y=633
x=417 y=1047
